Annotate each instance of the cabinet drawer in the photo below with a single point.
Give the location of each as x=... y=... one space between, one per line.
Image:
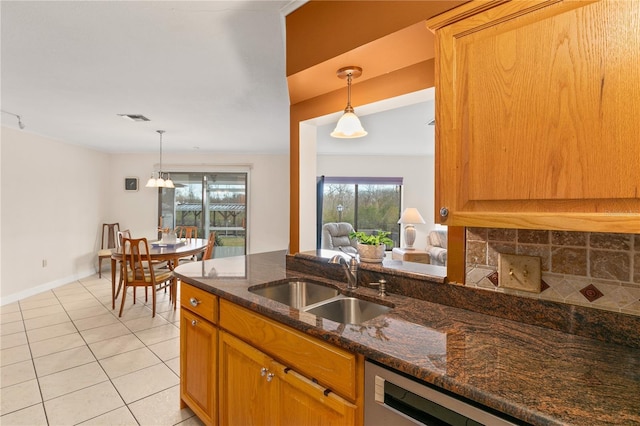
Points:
x=199 y=301
x=332 y=367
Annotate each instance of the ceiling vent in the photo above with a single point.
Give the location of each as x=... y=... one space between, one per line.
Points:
x=134 y=117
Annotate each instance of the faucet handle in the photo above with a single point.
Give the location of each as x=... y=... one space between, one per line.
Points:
x=382 y=284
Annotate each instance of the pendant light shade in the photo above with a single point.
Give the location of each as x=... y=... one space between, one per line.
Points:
x=160 y=182
x=349 y=126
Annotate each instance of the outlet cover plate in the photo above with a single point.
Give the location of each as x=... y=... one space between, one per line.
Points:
x=519 y=272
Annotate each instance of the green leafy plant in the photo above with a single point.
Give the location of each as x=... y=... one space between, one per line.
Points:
x=380 y=237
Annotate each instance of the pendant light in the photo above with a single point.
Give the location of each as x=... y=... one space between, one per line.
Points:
x=160 y=182
x=349 y=126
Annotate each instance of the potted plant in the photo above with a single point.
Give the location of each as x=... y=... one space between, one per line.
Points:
x=371 y=246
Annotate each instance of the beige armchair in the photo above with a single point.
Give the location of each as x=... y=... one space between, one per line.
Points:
x=335 y=236
x=437 y=246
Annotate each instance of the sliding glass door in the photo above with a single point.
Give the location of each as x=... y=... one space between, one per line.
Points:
x=223 y=199
x=369 y=204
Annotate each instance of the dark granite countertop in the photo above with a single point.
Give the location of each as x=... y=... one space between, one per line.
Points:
x=535 y=374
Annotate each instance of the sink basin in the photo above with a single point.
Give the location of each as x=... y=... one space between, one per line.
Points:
x=348 y=310
x=296 y=294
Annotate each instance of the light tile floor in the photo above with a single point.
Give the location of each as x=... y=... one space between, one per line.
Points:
x=66 y=358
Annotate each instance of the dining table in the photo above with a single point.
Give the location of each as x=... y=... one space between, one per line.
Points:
x=160 y=251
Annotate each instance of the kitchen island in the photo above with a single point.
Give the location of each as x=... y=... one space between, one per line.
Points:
x=534 y=374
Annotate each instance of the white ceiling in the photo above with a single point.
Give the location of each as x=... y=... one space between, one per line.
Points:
x=209 y=73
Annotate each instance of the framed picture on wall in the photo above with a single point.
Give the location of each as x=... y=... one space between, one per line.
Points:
x=131 y=184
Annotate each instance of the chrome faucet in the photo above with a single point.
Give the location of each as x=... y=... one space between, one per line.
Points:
x=350 y=268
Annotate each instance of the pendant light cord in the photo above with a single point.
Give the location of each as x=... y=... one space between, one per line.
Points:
x=349 y=108
x=160 y=171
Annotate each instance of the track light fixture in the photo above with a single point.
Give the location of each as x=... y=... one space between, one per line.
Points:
x=349 y=126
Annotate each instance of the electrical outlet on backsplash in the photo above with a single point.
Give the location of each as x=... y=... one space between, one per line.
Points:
x=598 y=270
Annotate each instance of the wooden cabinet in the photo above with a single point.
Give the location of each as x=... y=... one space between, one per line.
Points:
x=246 y=393
x=258 y=371
x=256 y=389
x=303 y=380
x=303 y=402
x=537 y=113
x=199 y=353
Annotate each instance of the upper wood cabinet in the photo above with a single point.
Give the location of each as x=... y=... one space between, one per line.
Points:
x=538 y=115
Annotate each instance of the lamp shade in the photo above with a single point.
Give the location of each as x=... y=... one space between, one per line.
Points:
x=160 y=182
x=411 y=215
x=348 y=127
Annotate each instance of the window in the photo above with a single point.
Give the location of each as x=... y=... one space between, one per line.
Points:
x=369 y=204
x=222 y=195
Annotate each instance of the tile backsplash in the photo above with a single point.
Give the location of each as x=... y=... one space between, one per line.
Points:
x=598 y=270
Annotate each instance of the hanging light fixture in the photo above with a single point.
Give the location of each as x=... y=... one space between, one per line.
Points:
x=349 y=126
x=160 y=182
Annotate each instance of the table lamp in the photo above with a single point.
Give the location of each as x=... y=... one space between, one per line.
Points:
x=409 y=218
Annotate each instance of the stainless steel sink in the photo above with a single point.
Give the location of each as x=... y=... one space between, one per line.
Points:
x=295 y=293
x=348 y=310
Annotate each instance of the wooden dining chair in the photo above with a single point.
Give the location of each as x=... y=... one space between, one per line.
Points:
x=187 y=232
x=120 y=235
x=107 y=243
x=211 y=243
x=139 y=271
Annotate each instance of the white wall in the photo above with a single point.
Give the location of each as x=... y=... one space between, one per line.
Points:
x=308 y=198
x=418 y=183
x=55 y=196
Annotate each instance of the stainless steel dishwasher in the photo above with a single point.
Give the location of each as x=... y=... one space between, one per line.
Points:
x=393 y=399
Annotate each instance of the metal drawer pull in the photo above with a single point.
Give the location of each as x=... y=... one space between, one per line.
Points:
x=270 y=377
x=194 y=322
x=194 y=302
x=263 y=371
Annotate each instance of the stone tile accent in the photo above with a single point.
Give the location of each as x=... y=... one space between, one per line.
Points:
x=570 y=262
x=526 y=236
x=591 y=292
x=508 y=235
x=477 y=252
x=563 y=238
x=477 y=234
x=612 y=265
x=611 y=241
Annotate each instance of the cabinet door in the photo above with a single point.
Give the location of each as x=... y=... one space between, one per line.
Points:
x=198 y=356
x=537 y=113
x=248 y=389
x=303 y=402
